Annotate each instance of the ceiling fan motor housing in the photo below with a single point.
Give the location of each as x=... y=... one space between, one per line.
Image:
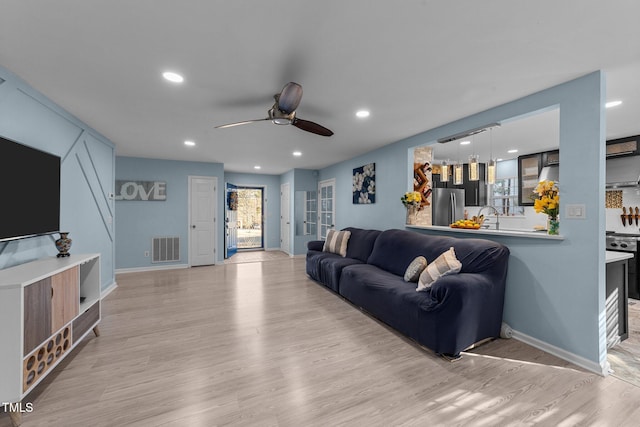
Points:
x=289 y=98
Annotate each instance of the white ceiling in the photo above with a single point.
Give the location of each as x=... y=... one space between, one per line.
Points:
x=415 y=64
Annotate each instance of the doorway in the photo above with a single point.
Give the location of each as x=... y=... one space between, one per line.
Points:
x=326 y=207
x=202 y=220
x=250 y=218
x=285 y=218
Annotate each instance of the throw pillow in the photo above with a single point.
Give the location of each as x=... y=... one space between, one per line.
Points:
x=446 y=263
x=414 y=269
x=337 y=242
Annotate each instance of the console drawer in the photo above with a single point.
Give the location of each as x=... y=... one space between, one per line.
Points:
x=85 y=321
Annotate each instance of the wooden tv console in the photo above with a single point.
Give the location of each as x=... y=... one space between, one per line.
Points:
x=46 y=307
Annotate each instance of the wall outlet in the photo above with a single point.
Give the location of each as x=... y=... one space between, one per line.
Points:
x=146 y=254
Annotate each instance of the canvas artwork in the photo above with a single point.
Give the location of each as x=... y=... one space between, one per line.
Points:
x=364 y=184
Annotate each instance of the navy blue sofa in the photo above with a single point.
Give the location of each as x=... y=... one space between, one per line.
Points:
x=457 y=311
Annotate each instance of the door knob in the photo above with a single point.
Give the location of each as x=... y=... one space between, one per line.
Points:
x=193 y=226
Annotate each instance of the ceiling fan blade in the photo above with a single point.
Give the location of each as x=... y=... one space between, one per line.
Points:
x=311 y=127
x=289 y=98
x=230 y=125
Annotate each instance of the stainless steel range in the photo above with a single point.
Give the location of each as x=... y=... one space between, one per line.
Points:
x=627 y=242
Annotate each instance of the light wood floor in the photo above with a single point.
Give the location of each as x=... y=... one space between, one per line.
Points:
x=625 y=357
x=259 y=344
x=256 y=256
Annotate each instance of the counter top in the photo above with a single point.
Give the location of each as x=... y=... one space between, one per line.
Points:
x=485 y=232
x=613 y=256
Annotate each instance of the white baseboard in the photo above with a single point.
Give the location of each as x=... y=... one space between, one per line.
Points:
x=151 y=268
x=563 y=354
x=105 y=292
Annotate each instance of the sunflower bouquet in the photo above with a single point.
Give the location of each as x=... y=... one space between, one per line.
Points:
x=546 y=199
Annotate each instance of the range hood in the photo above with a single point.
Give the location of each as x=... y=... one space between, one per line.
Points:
x=623 y=172
x=550 y=173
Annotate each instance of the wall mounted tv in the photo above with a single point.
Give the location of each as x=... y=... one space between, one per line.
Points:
x=29 y=191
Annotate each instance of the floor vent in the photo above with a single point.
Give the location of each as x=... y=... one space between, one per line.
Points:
x=165 y=249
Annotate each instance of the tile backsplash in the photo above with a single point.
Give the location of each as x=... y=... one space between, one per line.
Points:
x=630 y=199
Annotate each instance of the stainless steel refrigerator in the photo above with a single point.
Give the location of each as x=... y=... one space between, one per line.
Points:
x=447 y=205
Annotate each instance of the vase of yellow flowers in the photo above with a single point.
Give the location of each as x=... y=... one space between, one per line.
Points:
x=412 y=200
x=547 y=200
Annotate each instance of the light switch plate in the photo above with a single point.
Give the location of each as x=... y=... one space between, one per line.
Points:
x=575 y=211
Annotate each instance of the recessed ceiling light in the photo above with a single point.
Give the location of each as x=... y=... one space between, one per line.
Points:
x=612 y=104
x=362 y=113
x=297 y=153
x=189 y=143
x=257 y=167
x=173 y=77
x=465 y=142
x=499 y=160
x=512 y=151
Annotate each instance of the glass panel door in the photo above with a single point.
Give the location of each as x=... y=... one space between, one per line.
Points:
x=326 y=212
x=250 y=218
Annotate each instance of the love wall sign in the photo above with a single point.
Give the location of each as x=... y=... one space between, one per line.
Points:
x=155 y=191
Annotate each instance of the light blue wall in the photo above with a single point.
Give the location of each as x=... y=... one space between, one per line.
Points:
x=555 y=289
x=272 y=202
x=391 y=183
x=87 y=172
x=137 y=222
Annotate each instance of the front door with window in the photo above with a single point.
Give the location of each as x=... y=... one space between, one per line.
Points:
x=231 y=219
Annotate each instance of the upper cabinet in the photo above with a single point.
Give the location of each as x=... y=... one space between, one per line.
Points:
x=529 y=168
x=551 y=158
x=623 y=147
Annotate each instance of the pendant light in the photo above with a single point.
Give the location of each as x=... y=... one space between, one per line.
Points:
x=444 y=171
x=457 y=170
x=474 y=173
x=457 y=174
x=491 y=166
x=474 y=169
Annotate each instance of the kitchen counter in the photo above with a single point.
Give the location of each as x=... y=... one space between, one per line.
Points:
x=486 y=232
x=613 y=256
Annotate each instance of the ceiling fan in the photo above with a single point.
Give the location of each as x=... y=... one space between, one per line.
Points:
x=283 y=112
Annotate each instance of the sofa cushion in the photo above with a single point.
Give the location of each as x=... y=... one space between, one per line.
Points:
x=446 y=263
x=337 y=242
x=417 y=266
x=361 y=243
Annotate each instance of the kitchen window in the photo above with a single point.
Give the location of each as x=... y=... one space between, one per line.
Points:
x=504 y=197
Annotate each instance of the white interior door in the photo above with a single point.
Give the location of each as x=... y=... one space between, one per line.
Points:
x=202 y=227
x=326 y=207
x=285 y=218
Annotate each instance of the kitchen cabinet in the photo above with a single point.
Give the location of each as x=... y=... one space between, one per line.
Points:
x=529 y=168
x=623 y=147
x=551 y=158
x=617 y=277
x=475 y=192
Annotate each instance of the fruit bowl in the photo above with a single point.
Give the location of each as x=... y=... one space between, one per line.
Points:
x=469 y=224
x=466 y=224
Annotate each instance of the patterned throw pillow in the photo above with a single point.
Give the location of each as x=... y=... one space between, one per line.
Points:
x=337 y=242
x=446 y=263
x=414 y=269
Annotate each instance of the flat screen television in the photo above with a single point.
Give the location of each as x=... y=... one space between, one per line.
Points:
x=29 y=191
